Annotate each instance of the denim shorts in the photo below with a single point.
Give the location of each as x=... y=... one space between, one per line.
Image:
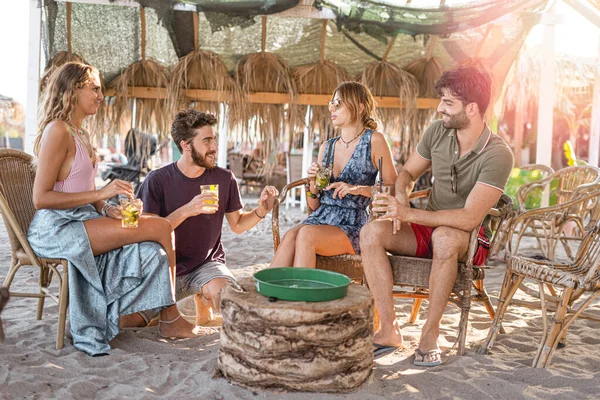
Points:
x=192 y=283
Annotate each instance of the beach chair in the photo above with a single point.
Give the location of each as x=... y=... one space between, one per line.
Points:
x=563 y=186
x=574 y=280
x=4 y=296
x=411 y=274
x=17 y=174
x=522 y=196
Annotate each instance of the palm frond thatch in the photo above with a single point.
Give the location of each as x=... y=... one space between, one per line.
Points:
x=387 y=79
x=265 y=72
x=318 y=78
x=428 y=71
x=201 y=69
x=151 y=113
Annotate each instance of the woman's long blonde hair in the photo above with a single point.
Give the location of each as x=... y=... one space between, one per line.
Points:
x=353 y=94
x=59 y=98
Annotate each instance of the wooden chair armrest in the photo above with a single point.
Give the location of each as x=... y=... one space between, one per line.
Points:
x=275 y=212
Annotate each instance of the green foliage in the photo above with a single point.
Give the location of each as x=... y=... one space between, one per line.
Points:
x=520 y=177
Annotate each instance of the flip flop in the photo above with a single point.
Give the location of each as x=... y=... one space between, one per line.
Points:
x=380 y=350
x=434 y=355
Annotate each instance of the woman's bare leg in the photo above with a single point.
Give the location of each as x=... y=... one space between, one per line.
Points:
x=284 y=256
x=325 y=240
x=106 y=234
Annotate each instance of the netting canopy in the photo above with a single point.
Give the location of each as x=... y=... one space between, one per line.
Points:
x=109 y=37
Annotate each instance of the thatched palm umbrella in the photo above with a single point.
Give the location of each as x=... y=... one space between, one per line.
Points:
x=266 y=72
x=150 y=113
x=386 y=79
x=428 y=71
x=202 y=69
x=318 y=78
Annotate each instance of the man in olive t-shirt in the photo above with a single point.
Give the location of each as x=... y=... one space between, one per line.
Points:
x=470 y=167
x=173 y=192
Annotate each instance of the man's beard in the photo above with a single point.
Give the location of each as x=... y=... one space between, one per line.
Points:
x=203 y=161
x=458 y=121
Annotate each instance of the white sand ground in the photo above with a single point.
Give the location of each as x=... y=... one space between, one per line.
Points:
x=142 y=365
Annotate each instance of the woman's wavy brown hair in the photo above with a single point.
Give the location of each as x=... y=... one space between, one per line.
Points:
x=353 y=94
x=60 y=97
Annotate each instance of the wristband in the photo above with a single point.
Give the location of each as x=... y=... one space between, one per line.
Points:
x=258 y=215
x=311 y=194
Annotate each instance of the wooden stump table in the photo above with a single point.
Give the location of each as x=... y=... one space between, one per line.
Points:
x=320 y=347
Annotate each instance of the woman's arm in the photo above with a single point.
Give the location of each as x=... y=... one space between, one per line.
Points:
x=52 y=155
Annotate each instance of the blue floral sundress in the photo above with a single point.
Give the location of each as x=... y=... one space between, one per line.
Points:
x=350 y=212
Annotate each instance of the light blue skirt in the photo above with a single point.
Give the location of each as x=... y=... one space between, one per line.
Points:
x=124 y=281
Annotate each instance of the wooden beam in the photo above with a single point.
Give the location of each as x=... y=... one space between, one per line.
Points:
x=141 y=92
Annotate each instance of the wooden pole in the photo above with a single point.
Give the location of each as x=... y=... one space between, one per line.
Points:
x=33 y=74
x=196 y=33
x=143 y=27
x=263 y=39
x=388 y=49
x=323 y=35
x=69 y=50
x=595 y=125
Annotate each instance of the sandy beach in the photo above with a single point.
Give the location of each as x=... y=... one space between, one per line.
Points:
x=142 y=365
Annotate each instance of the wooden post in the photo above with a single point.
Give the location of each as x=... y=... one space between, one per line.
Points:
x=595 y=125
x=547 y=93
x=33 y=74
x=69 y=49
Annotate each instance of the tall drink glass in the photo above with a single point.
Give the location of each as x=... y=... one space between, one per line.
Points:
x=322 y=178
x=211 y=205
x=378 y=193
x=130 y=212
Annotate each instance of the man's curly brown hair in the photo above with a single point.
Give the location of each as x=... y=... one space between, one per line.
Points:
x=186 y=124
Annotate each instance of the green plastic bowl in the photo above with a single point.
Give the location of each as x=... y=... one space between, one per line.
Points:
x=301 y=284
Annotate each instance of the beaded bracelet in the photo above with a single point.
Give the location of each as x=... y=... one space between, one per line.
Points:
x=105 y=209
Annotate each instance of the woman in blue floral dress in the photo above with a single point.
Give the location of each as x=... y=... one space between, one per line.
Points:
x=340 y=210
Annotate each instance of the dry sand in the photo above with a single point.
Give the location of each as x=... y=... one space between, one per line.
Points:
x=142 y=365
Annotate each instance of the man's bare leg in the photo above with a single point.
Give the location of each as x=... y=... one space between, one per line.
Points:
x=449 y=245
x=375 y=240
x=209 y=301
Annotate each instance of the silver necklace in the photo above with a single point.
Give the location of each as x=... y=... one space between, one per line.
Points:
x=351 y=140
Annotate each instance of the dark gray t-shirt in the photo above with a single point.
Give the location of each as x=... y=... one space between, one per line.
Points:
x=197 y=239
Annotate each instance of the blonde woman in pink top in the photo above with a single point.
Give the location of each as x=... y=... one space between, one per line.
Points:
x=114 y=272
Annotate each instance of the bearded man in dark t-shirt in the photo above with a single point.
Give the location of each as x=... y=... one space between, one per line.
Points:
x=174 y=192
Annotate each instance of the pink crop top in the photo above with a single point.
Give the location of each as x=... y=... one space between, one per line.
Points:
x=82 y=174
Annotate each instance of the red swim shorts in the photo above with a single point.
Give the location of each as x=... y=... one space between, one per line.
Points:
x=423 y=236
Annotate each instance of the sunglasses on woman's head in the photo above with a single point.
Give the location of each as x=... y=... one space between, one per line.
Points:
x=335 y=104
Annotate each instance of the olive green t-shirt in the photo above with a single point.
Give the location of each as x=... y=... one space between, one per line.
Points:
x=490 y=163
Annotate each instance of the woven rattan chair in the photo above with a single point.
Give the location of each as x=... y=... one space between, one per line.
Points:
x=17 y=174
x=569 y=184
x=411 y=274
x=574 y=280
x=522 y=197
x=4 y=296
